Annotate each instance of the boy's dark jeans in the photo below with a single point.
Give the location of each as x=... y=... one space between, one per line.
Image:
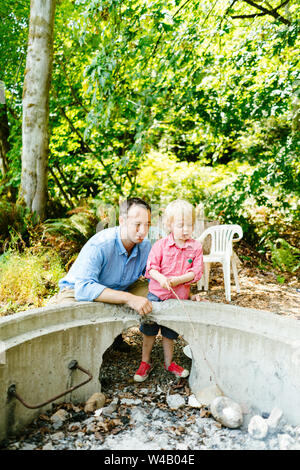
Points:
x=151 y=329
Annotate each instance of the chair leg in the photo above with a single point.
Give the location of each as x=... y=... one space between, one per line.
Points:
x=226 y=273
x=200 y=284
x=235 y=275
x=206 y=275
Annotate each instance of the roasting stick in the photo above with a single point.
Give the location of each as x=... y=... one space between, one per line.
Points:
x=194 y=332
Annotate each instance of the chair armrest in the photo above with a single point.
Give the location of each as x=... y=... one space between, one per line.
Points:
x=202 y=237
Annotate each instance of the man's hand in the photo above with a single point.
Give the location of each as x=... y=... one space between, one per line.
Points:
x=141 y=304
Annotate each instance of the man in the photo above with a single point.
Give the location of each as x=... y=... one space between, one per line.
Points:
x=111 y=261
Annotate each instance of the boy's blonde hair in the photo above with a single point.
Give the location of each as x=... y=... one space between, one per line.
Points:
x=179 y=206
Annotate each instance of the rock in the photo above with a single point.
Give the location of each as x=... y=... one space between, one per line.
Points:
x=158 y=414
x=181 y=446
x=138 y=415
x=28 y=446
x=208 y=394
x=175 y=401
x=59 y=418
x=193 y=402
x=227 y=412
x=48 y=446
x=58 y=436
x=258 y=427
x=130 y=401
x=95 y=402
x=111 y=408
x=285 y=442
x=275 y=420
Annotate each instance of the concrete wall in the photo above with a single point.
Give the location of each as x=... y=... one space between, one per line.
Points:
x=254 y=356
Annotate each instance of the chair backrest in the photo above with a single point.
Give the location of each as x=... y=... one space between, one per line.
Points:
x=221 y=238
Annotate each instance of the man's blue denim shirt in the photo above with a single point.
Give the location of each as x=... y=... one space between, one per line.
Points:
x=104 y=262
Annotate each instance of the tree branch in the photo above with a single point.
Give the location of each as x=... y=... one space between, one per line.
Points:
x=71 y=88
x=264 y=12
x=68 y=201
x=85 y=146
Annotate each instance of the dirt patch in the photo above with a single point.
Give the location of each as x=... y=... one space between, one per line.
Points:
x=261 y=287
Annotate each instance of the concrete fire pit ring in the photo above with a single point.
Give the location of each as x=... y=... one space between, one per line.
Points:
x=254 y=355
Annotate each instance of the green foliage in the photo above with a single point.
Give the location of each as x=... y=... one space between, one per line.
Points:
x=67 y=235
x=27 y=279
x=284 y=256
x=16 y=224
x=163 y=99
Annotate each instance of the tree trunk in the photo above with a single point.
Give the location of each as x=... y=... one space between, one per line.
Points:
x=4 y=145
x=35 y=134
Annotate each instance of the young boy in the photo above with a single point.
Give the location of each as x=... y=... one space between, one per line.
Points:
x=173 y=263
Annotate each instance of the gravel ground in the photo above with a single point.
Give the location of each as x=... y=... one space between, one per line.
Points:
x=140 y=418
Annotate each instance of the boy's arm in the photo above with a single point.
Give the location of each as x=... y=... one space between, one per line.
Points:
x=157 y=276
x=194 y=273
x=176 y=280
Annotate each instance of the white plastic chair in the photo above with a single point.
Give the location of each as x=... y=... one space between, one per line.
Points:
x=221 y=252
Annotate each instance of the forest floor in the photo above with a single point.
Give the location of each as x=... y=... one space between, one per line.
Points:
x=261 y=286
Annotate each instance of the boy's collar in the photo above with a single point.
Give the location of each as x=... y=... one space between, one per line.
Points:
x=172 y=242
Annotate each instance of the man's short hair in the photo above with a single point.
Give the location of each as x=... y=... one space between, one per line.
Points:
x=133 y=201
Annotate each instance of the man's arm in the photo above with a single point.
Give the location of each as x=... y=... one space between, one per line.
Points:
x=141 y=304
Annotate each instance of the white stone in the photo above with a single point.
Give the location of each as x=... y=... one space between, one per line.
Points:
x=275 y=420
x=181 y=446
x=48 y=446
x=130 y=401
x=206 y=395
x=138 y=415
x=258 y=427
x=108 y=410
x=285 y=442
x=227 y=412
x=175 y=401
x=28 y=446
x=58 y=436
x=193 y=402
x=59 y=418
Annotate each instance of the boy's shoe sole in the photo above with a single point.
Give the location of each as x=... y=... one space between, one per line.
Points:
x=139 y=378
x=185 y=373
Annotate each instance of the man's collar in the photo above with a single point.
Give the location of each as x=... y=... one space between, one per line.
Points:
x=122 y=249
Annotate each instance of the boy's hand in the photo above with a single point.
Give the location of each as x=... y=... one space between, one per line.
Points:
x=174 y=281
x=164 y=282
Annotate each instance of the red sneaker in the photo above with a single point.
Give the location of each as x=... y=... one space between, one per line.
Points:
x=177 y=370
x=142 y=372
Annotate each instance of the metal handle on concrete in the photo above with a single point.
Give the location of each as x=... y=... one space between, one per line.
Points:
x=11 y=392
